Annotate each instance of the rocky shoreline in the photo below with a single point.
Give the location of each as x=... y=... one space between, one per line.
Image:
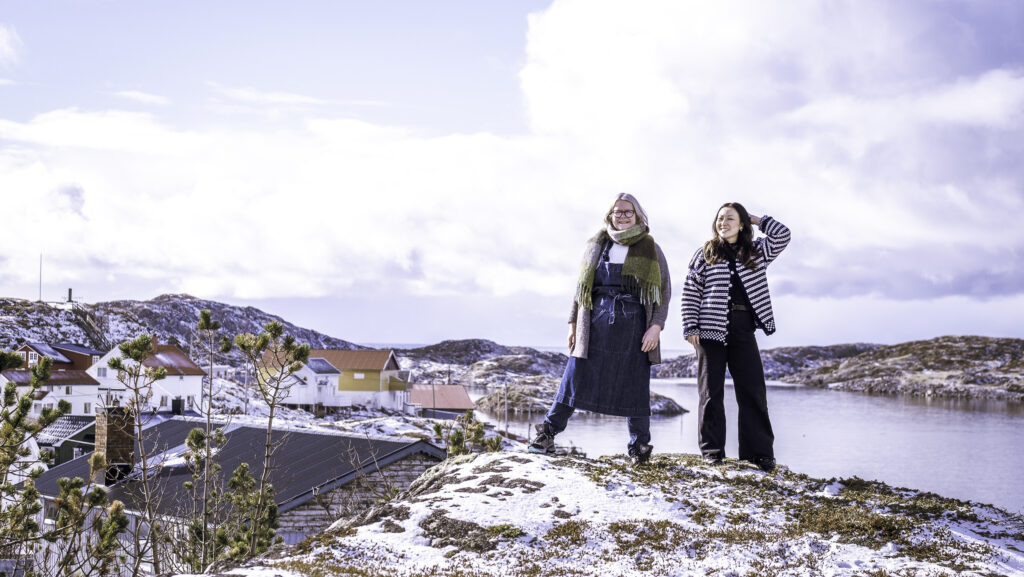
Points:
x=532 y=376
x=534 y=397
x=954 y=367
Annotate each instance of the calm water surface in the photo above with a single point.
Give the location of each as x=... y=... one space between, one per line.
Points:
x=962 y=449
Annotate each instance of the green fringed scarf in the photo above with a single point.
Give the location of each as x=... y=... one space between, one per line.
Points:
x=641 y=271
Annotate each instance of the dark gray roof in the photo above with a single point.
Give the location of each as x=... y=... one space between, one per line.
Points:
x=303 y=460
x=320 y=366
x=79 y=349
x=63 y=428
x=159 y=436
x=48 y=351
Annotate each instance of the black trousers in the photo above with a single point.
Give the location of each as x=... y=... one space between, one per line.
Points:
x=743 y=358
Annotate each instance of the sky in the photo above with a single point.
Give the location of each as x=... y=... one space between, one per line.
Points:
x=407 y=172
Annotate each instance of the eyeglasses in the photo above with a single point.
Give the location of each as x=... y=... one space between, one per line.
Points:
x=622 y=213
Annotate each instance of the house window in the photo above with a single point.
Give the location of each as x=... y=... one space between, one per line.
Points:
x=163 y=400
x=87 y=408
x=48 y=407
x=358 y=376
x=191 y=401
x=95 y=359
x=67 y=390
x=101 y=372
x=33 y=358
x=49 y=513
x=36 y=407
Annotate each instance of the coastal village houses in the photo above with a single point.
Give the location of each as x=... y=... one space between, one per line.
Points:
x=69 y=376
x=80 y=376
x=334 y=379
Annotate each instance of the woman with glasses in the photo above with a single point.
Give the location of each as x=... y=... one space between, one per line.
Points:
x=618 y=314
x=725 y=298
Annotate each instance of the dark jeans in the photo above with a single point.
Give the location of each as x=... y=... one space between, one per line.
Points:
x=639 y=427
x=743 y=358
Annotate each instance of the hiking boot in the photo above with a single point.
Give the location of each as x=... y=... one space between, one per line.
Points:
x=544 y=442
x=766 y=464
x=639 y=453
x=713 y=460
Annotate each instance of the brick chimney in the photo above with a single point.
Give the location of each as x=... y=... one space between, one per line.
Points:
x=114 y=437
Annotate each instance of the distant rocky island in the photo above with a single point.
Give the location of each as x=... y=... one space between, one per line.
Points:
x=944 y=367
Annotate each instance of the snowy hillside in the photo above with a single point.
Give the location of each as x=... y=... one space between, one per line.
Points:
x=529 y=515
x=171 y=318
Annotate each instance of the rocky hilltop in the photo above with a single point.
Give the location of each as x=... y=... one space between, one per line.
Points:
x=529 y=515
x=171 y=318
x=951 y=366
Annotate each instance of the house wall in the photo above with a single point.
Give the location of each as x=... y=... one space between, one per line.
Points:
x=81 y=398
x=347 y=381
x=320 y=512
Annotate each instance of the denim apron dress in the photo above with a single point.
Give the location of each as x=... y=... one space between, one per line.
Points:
x=615 y=379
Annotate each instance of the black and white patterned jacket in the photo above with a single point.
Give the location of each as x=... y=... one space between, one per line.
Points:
x=706 y=290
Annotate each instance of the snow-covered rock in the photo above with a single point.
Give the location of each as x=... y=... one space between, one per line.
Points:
x=523 y=514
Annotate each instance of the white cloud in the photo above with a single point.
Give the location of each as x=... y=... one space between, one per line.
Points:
x=6 y=82
x=143 y=97
x=10 y=46
x=887 y=153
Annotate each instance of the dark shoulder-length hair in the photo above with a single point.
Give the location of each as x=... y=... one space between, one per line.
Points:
x=746 y=252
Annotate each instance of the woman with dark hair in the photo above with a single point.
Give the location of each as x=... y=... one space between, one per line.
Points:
x=725 y=298
x=615 y=329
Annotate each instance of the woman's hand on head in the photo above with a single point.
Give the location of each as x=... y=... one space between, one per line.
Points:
x=755 y=220
x=694 y=340
x=651 y=339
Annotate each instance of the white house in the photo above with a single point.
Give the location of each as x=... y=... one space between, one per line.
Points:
x=181 y=390
x=76 y=387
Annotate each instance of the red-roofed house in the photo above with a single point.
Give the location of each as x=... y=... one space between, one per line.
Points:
x=441 y=400
x=181 y=389
x=74 y=386
x=63 y=355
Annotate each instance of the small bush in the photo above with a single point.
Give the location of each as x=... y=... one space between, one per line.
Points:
x=505 y=531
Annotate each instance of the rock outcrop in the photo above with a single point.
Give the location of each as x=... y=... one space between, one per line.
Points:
x=522 y=514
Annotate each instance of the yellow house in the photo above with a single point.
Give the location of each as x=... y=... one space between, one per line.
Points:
x=331 y=379
x=363 y=370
